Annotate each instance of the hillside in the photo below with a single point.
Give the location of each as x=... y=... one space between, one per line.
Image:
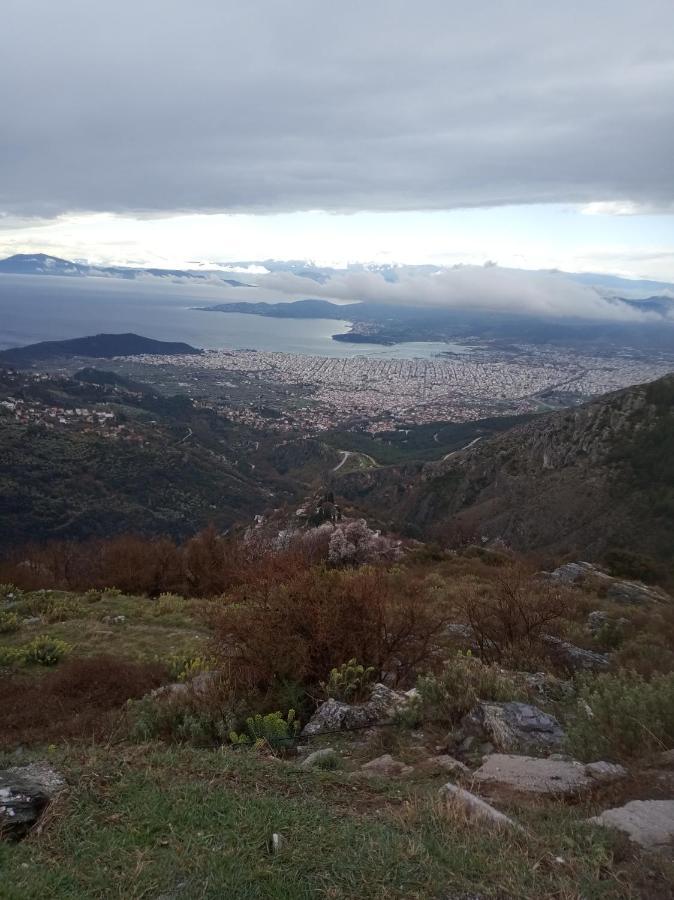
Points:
x=97 y=346
x=97 y=454
x=583 y=479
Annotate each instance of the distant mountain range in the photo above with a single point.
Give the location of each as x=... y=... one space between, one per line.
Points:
x=42 y=264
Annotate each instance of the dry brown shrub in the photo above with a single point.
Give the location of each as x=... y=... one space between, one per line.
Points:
x=78 y=700
x=299 y=629
x=139 y=565
x=205 y=566
x=509 y=618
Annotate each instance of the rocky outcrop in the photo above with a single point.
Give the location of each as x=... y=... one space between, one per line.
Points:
x=573 y=658
x=561 y=482
x=618 y=589
x=25 y=792
x=599 y=619
x=380 y=708
x=545 y=777
x=512 y=727
x=649 y=823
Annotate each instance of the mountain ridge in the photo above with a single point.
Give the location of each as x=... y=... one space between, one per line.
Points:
x=584 y=478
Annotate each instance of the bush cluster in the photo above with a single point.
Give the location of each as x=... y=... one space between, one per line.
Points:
x=79 y=699
x=509 y=617
x=622 y=715
x=272 y=731
x=348 y=682
x=464 y=680
x=41 y=651
x=302 y=628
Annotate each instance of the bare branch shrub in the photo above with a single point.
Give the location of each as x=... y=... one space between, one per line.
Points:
x=313 y=622
x=509 y=617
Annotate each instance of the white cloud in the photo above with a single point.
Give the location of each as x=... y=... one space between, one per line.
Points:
x=465 y=287
x=626 y=208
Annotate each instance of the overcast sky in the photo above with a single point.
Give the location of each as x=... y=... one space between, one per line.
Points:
x=148 y=109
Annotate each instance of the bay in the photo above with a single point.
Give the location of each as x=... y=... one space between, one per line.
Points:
x=44 y=307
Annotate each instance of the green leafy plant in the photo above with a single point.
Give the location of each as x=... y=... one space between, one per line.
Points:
x=60 y=610
x=349 y=682
x=329 y=762
x=622 y=715
x=271 y=731
x=184 y=721
x=168 y=604
x=184 y=666
x=44 y=651
x=464 y=680
x=10 y=656
x=9 y=622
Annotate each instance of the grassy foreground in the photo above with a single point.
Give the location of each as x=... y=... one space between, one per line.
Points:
x=151 y=822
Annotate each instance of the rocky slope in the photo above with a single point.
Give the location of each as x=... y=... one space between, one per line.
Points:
x=587 y=478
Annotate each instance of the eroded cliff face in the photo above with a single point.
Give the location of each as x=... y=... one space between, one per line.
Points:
x=561 y=482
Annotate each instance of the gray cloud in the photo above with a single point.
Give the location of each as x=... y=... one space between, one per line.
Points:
x=160 y=105
x=465 y=287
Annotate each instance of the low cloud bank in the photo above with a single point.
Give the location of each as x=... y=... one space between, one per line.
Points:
x=487 y=288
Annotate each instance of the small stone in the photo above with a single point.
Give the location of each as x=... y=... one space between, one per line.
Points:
x=474 y=807
x=443 y=764
x=276 y=843
x=386 y=766
x=316 y=757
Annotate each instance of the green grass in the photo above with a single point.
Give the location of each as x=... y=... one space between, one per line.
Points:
x=139 y=822
x=145 y=635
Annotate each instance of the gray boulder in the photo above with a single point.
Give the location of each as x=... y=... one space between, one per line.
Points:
x=649 y=823
x=574 y=658
x=513 y=727
x=380 y=708
x=545 y=777
x=25 y=791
